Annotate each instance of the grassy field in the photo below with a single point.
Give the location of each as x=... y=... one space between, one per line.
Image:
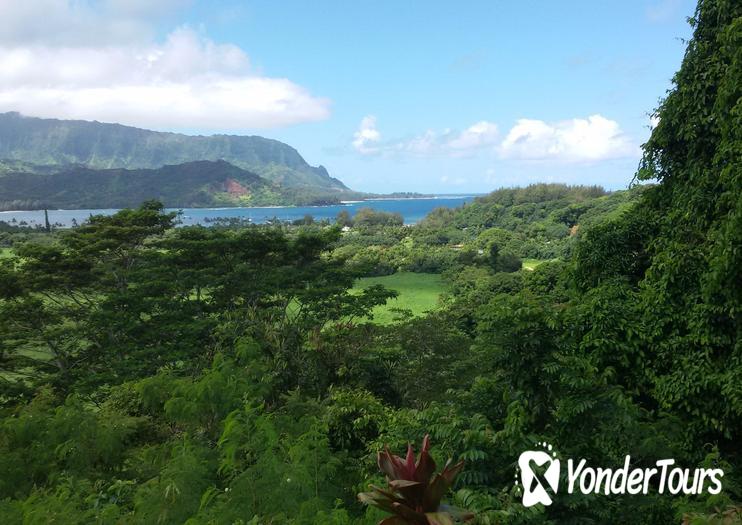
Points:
x=530 y=264
x=418 y=293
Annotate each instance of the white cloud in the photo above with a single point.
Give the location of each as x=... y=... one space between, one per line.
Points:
x=184 y=56
x=367 y=138
x=428 y=143
x=480 y=135
x=69 y=59
x=578 y=140
x=80 y=23
x=367 y=141
x=591 y=139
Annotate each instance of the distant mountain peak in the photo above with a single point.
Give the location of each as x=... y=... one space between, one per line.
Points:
x=105 y=145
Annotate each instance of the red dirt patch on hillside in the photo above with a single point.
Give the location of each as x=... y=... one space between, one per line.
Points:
x=233 y=187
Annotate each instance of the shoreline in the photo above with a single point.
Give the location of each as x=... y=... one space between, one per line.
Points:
x=267 y=207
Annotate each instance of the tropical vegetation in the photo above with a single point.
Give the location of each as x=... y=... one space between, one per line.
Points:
x=237 y=373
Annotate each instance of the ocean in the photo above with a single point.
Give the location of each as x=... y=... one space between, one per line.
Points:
x=412 y=210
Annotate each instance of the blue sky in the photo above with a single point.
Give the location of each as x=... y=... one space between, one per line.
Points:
x=389 y=96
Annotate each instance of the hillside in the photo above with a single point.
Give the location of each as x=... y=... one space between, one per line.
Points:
x=508 y=227
x=539 y=221
x=98 y=145
x=192 y=184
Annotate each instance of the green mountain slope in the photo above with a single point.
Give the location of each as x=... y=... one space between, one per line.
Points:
x=192 y=184
x=107 y=146
x=540 y=221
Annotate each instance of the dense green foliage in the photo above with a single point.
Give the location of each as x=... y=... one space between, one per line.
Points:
x=153 y=374
x=542 y=222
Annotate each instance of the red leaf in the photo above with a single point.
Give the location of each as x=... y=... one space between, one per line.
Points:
x=410 y=463
x=386 y=464
x=434 y=493
x=413 y=492
x=408 y=513
x=450 y=472
x=425 y=466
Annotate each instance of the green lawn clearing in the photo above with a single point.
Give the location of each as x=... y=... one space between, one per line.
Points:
x=418 y=293
x=530 y=264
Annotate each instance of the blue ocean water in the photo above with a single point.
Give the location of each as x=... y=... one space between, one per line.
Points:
x=413 y=210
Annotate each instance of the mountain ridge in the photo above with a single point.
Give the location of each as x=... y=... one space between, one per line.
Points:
x=99 y=145
x=194 y=184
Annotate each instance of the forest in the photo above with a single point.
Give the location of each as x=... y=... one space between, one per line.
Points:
x=157 y=373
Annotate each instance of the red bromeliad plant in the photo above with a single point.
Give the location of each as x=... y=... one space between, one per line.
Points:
x=415 y=491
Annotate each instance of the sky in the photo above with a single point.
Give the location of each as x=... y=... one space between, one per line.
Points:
x=389 y=95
